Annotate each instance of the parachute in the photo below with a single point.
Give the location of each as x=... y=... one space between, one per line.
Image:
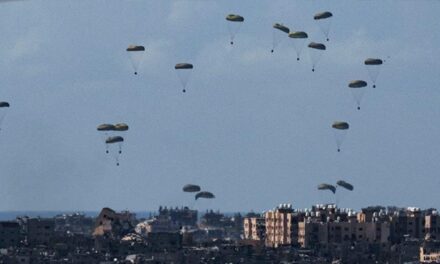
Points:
x=105 y=130
x=298 y=39
x=136 y=54
x=324 y=21
x=4 y=107
x=106 y=127
x=121 y=127
x=279 y=32
x=115 y=140
x=191 y=188
x=183 y=71
x=373 y=67
x=340 y=130
x=206 y=195
x=345 y=185
x=112 y=138
x=234 y=23
x=357 y=91
x=325 y=186
x=316 y=50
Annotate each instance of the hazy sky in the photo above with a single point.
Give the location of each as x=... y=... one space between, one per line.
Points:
x=254 y=127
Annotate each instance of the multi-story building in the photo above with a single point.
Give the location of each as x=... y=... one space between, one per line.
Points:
x=254 y=228
x=112 y=223
x=75 y=223
x=432 y=224
x=158 y=224
x=214 y=219
x=39 y=231
x=180 y=216
x=10 y=235
x=407 y=223
x=311 y=234
x=281 y=226
x=315 y=233
x=430 y=251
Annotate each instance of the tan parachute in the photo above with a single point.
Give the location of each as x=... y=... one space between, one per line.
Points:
x=357 y=91
x=324 y=21
x=136 y=54
x=298 y=38
x=340 y=129
x=279 y=33
x=183 y=72
x=234 y=22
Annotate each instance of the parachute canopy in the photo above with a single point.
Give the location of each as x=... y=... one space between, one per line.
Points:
x=357 y=84
x=181 y=66
x=340 y=125
x=106 y=127
x=135 y=48
x=206 y=195
x=325 y=186
x=4 y=104
x=315 y=45
x=371 y=61
x=234 y=18
x=115 y=139
x=121 y=127
x=322 y=15
x=298 y=34
x=345 y=185
x=281 y=27
x=191 y=188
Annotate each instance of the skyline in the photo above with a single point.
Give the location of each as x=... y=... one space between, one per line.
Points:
x=249 y=118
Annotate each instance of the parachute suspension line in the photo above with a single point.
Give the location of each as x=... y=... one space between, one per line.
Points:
x=273 y=41
x=233 y=28
x=106 y=145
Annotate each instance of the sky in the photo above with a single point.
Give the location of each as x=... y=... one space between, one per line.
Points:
x=253 y=127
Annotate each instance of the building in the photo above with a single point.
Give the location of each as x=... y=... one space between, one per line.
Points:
x=114 y=224
x=10 y=235
x=214 y=219
x=312 y=234
x=39 y=231
x=432 y=224
x=254 y=228
x=281 y=226
x=159 y=224
x=180 y=216
x=430 y=251
x=408 y=222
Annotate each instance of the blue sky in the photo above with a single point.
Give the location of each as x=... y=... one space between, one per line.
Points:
x=254 y=127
